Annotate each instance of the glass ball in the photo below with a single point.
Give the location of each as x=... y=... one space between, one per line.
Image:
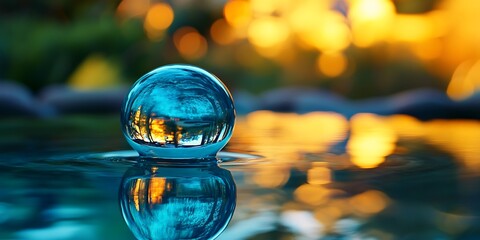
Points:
x=177 y=202
x=178 y=112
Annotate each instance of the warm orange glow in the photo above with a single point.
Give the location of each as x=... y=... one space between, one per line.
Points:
x=190 y=43
x=133 y=8
x=158 y=18
x=156 y=189
x=332 y=64
x=318 y=175
x=222 y=33
x=271 y=177
x=269 y=7
x=412 y=28
x=304 y=16
x=406 y=126
x=312 y=195
x=463 y=36
x=267 y=32
x=263 y=119
x=369 y=202
x=371 y=21
x=326 y=32
x=465 y=80
x=313 y=132
x=371 y=141
x=151 y=129
x=157 y=131
x=328 y=215
x=459 y=137
x=139 y=186
x=237 y=13
x=429 y=49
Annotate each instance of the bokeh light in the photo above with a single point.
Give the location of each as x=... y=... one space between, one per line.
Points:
x=267 y=32
x=133 y=8
x=190 y=44
x=332 y=64
x=371 y=140
x=369 y=202
x=371 y=21
x=222 y=33
x=237 y=13
x=159 y=17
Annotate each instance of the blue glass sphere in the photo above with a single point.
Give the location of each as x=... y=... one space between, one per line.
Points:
x=177 y=202
x=178 y=112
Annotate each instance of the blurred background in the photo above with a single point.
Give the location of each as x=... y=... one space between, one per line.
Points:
x=356 y=49
x=331 y=93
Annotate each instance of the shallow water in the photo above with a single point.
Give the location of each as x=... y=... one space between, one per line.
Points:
x=313 y=176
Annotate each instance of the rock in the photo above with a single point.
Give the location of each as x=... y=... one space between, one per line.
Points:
x=16 y=100
x=68 y=101
x=245 y=102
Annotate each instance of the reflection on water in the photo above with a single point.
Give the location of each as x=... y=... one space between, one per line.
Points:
x=366 y=177
x=177 y=202
x=322 y=177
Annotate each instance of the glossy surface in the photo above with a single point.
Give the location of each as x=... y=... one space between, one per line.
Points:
x=178 y=111
x=322 y=177
x=177 y=202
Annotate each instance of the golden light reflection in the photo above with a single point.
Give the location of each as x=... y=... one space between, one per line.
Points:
x=237 y=13
x=156 y=189
x=319 y=174
x=412 y=28
x=159 y=17
x=369 y=202
x=371 y=140
x=268 y=7
x=133 y=8
x=149 y=191
x=190 y=44
x=286 y=138
x=459 y=137
x=332 y=64
x=406 y=126
x=271 y=177
x=371 y=21
x=461 y=43
x=311 y=194
x=267 y=32
x=428 y=50
x=222 y=33
x=303 y=15
x=154 y=130
x=139 y=186
x=328 y=32
x=328 y=215
x=313 y=132
x=465 y=80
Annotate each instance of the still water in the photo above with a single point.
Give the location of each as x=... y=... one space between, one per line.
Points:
x=282 y=176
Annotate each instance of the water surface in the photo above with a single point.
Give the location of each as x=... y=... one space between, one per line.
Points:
x=320 y=176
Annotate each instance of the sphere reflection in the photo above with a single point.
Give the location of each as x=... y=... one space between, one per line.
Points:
x=177 y=112
x=177 y=202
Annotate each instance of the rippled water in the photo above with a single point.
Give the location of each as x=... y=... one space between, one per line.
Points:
x=313 y=176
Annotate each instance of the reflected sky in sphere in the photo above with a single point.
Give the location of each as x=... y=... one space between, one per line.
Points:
x=178 y=112
x=177 y=202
